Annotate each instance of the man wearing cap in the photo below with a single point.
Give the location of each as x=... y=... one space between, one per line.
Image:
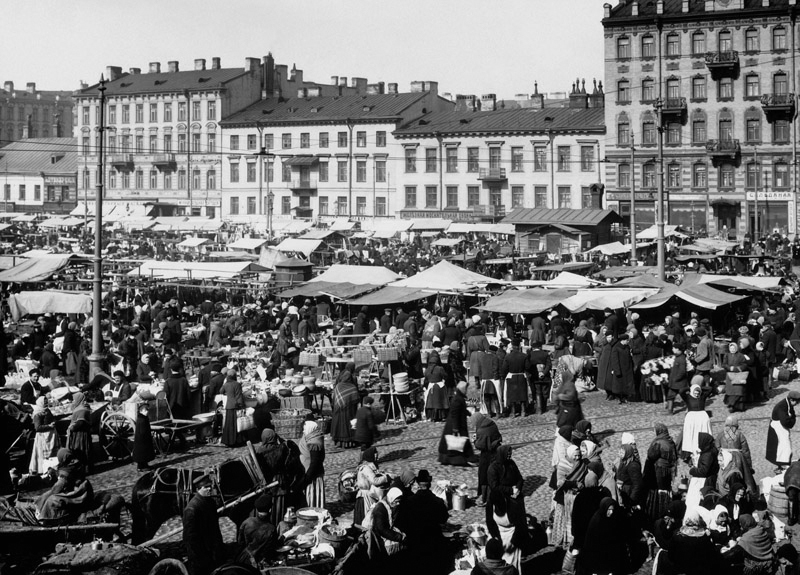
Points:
x=704 y=355
x=385 y=322
x=202 y=538
x=621 y=369
x=513 y=372
x=503 y=330
x=426 y=514
x=400 y=318
x=257 y=538
x=538 y=330
x=539 y=372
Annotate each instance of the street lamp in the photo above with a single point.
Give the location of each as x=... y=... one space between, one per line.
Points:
x=96 y=358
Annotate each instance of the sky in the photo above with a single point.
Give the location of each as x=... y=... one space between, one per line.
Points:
x=468 y=46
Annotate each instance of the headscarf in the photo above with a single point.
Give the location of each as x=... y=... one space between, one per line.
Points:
x=693 y=523
x=628 y=439
x=694 y=391
x=727 y=458
x=309 y=427
x=628 y=454
x=78 y=401
x=705 y=442
x=588 y=449
x=661 y=430
x=747 y=522
x=573 y=451
x=565 y=431
x=476 y=419
x=369 y=454
x=269 y=437
x=715 y=513
x=757 y=541
x=394 y=494
x=40 y=405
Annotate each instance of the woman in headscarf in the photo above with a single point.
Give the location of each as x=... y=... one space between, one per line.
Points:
x=383 y=538
x=345 y=405
x=143 y=449
x=45 y=444
x=564 y=498
x=487 y=441
x=659 y=471
x=729 y=473
x=691 y=550
x=678 y=377
x=704 y=471
x=505 y=520
x=365 y=480
x=596 y=473
x=234 y=401
x=666 y=526
x=629 y=477
x=79 y=432
x=589 y=451
x=312 y=456
x=605 y=549
x=696 y=420
x=435 y=393
x=779 y=442
x=736 y=361
x=587 y=502
x=719 y=527
x=582 y=432
x=567 y=400
x=560 y=343
x=582 y=344
x=456 y=425
x=604 y=376
x=737 y=501
x=756 y=543
x=144 y=369
x=273 y=455
x=561 y=462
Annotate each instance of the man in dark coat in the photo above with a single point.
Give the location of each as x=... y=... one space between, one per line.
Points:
x=538 y=330
x=426 y=515
x=176 y=388
x=366 y=427
x=386 y=320
x=201 y=534
x=513 y=372
x=539 y=364
x=401 y=318
x=611 y=322
x=621 y=369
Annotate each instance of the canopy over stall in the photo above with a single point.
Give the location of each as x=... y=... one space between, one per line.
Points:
x=562 y=280
x=247 y=244
x=52 y=301
x=651 y=233
x=606 y=298
x=37 y=270
x=760 y=282
x=610 y=249
x=391 y=295
x=192 y=242
x=529 y=301
x=195 y=270
x=447 y=242
x=480 y=228
x=338 y=290
x=445 y=276
x=305 y=247
x=375 y=275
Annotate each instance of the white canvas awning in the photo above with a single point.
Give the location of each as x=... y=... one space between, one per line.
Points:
x=305 y=247
x=247 y=244
x=195 y=270
x=193 y=242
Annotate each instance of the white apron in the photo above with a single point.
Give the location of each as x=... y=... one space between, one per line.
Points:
x=784 y=450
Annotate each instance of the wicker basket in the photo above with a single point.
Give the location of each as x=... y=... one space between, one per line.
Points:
x=289 y=424
x=362 y=356
x=388 y=354
x=309 y=359
x=324 y=424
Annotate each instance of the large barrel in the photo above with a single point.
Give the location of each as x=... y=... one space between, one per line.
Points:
x=778 y=501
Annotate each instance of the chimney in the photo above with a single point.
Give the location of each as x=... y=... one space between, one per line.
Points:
x=297 y=76
x=113 y=73
x=360 y=84
x=172 y=66
x=466 y=103
x=8 y=86
x=155 y=67
x=659 y=6
x=373 y=89
x=56 y=125
x=417 y=86
x=83 y=85
x=135 y=71
x=537 y=99
x=302 y=92
x=268 y=84
x=335 y=80
x=606 y=10
x=200 y=64
x=685 y=6
x=250 y=64
x=635 y=9
x=216 y=63
x=391 y=88
x=30 y=87
x=578 y=98
x=343 y=81
x=432 y=87
x=597 y=99
x=489 y=102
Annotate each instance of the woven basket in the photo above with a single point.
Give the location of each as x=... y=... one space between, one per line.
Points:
x=387 y=354
x=324 y=424
x=362 y=356
x=289 y=425
x=309 y=359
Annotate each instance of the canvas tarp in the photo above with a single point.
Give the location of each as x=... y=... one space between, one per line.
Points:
x=52 y=301
x=760 y=282
x=247 y=244
x=375 y=275
x=195 y=270
x=447 y=242
x=36 y=270
x=529 y=301
x=562 y=280
x=193 y=242
x=390 y=295
x=610 y=249
x=444 y=276
x=305 y=247
x=707 y=297
x=651 y=233
x=338 y=290
x=606 y=298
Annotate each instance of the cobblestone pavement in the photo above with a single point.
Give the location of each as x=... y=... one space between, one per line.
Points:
x=415 y=447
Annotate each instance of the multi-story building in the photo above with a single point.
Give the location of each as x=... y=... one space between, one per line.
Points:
x=716 y=79
x=39 y=175
x=33 y=113
x=478 y=162
x=320 y=155
x=163 y=141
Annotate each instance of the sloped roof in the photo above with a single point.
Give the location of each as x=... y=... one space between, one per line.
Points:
x=444 y=276
x=38 y=154
x=167 y=82
x=504 y=121
x=325 y=108
x=339 y=273
x=696 y=9
x=563 y=216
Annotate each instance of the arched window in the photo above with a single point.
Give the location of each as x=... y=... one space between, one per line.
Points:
x=624 y=175
x=725 y=41
x=698 y=43
x=780 y=178
x=623 y=130
x=751 y=42
x=648 y=46
x=623 y=47
x=725 y=125
x=699 y=175
x=673 y=44
x=779 y=38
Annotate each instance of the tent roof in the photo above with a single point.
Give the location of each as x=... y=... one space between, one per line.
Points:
x=36 y=269
x=193 y=242
x=293 y=263
x=651 y=233
x=642 y=281
x=610 y=249
x=54 y=301
x=359 y=275
x=290 y=226
x=480 y=228
x=339 y=290
x=760 y=282
x=529 y=301
x=563 y=279
x=24 y=218
x=247 y=243
x=305 y=247
x=195 y=270
x=390 y=295
x=444 y=276
x=705 y=296
x=342 y=225
x=421 y=224
x=606 y=298
x=447 y=242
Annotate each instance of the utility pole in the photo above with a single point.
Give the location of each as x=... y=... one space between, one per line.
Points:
x=633 y=203
x=759 y=182
x=660 y=197
x=189 y=148
x=97 y=356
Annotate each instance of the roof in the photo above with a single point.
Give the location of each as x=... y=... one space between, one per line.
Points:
x=673 y=8
x=562 y=216
x=35 y=302
x=305 y=247
x=36 y=155
x=325 y=108
x=504 y=121
x=446 y=277
x=195 y=270
x=36 y=270
x=247 y=243
x=375 y=275
x=529 y=301
x=166 y=82
x=192 y=242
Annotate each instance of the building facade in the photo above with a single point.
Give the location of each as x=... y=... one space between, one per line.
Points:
x=38 y=175
x=473 y=164
x=32 y=113
x=716 y=81
x=318 y=155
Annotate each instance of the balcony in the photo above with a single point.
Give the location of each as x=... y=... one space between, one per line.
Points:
x=164 y=160
x=120 y=160
x=778 y=106
x=492 y=174
x=722 y=63
x=303 y=185
x=723 y=149
x=673 y=107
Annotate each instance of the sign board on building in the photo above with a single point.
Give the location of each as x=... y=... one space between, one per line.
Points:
x=640 y=196
x=445 y=214
x=767 y=196
x=60 y=180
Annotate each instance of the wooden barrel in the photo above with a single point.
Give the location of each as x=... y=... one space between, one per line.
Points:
x=778 y=501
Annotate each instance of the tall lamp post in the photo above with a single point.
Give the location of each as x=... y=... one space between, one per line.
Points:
x=96 y=358
x=265 y=207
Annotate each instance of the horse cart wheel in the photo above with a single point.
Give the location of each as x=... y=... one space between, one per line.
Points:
x=169 y=567
x=116 y=433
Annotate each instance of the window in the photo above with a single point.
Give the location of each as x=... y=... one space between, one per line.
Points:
x=361 y=206
x=139 y=144
x=126 y=180
x=286 y=141
x=726 y=176
x=153 y=144
x=167 y=111
x=539 y=159
x=649 y=131
x=235 y=172
x=196 y=110
x=752 y=89
x=112 y=114
x=196 y=179
x=126 y=114
x=112 y=179
x=168 y=143
x=361 y=170
x=587 y=158
x=623 y=47
x=725 y=89
x=725 y=126
x=781 y=175
x=251 y=171
x=234 y=143
x=751 y=175
x=112 y=143
x=323 y=140
x=139 y=179
x=753 y=126
x=361 y=139
x=494 y=158
x=37 y=193
x=623 y=131
x=725 y=41
x=673 y=44
x=472 y=159
x=751 y=40
x=212 y=144
x=305 y=140
x=323 y=205
x=153 y=179
x=451 y=155
x=86 y=143
x=430 y=159
x=648 y=46
x=380 y=206
x=624 y=175
x=698 y=43
x=7 y=192
x=411 y=196
x=167 y=179
x=411 y=160
x=516 y=159
x=780 y=132
x=699 y=130
x=181 y=180
x=623 y=91
x=431 y=197
x=380 y=170
x=779 y=38
x=699 y=88
x=341 y=171
x=563 y=159
x=341 y=206
x=473 y=196
x=323 y=171
x=451 y=193
x=674 y=134
x=699 y=176
x=182 y=111
x=251 y=205
x=126 y=143
x=564 y=197
x=648 y=90
x=211 y=179
x=153 y=113
x=495 y=196
x=196 y=142
x=342 y=138
x=234 y=206
x=380 y=139
x=269 y=170
x=540 y=196
x=139 y=113
x=780 y=83
x=251 y=141
x=649 y=175
x=22 y=192
x=86 y=119
x=673 y=88
x=286 y=172
x=517 y=196
x=674 y=175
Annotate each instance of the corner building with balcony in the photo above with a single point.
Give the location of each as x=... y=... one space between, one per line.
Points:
x=716 y=80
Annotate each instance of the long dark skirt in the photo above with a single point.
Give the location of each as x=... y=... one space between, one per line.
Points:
x=484 y=461
x=341 y=430
x=143 y=450
x=230 y=436
x=81 y=442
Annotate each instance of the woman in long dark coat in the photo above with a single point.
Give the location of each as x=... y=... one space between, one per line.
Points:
x=143 y=450
x=79 y=433
x=345 y=406
x=234 y=400
x=604 y=377
x=436 y=395
x=779 y=444
x=487 y=440
x=622 y=385
x=456 y=424
x=604 y=550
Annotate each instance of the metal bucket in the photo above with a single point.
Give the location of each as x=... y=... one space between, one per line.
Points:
x=459 y=502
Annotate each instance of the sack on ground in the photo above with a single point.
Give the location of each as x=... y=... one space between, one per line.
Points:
x=455 y=442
